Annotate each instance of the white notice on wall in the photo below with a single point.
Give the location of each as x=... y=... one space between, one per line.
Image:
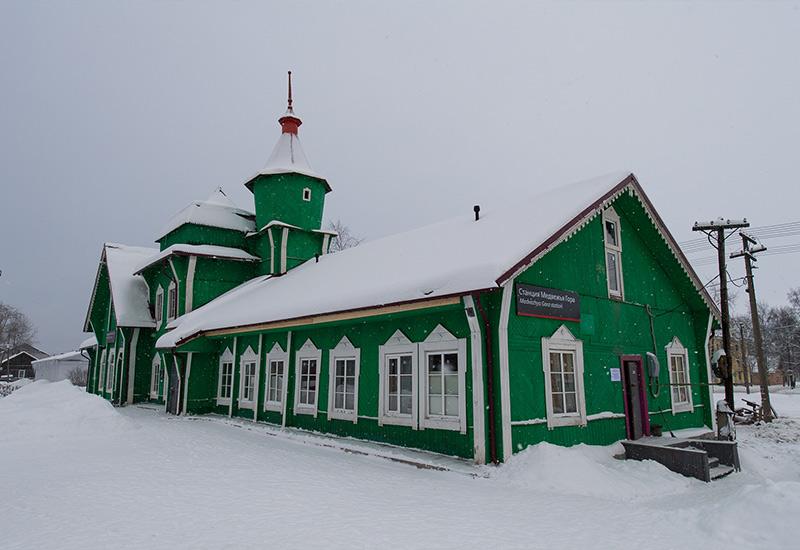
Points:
x=615 y=375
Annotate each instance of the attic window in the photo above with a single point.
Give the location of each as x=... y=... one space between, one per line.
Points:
x=613 y=253
x=307 y=194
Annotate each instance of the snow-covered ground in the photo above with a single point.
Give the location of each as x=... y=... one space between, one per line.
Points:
x=77 y=473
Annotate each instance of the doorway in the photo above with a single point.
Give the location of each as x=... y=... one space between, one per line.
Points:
x=174 y=390
x=637 y=420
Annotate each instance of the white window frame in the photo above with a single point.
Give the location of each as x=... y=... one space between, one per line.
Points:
x=610 y=215
x=562 y=340
x=275 y=354
x=225 y=358
x=249 y=357
x=22 y=373
x=307 y=194
x=101 y=369
x=397 y=344
x=676 y=349
x=110 y=368
x=172 y=297
x=344 y=350
x=307 y=352
x=438 y=342
x=155 y=376
x=159 y=307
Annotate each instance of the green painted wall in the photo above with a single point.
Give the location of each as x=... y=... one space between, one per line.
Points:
x=608 y=328
x=190 y=233
x=280 y=197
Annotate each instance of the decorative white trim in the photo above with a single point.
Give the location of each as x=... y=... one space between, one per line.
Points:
x=505 y=386
x=344 y=350
x=562 y=340
x=174 y=281
x=676 y=349
x=308 y=351
x=271 y=252
x=478 y=415
x=132 y=365
x=248 y=357
x=186 y=385
x=155 y=369
x=159 y=307
x=442 y=341
x=397 y=344
x=111 y=370
x=275 y=354
x=326 y=239
x=257 y=383
x=610 y=215
x=286 y=378
x=226 y=357
x=165 y=365
x=284 y=240
x=709 y=373
x=189 y=298
x=233 y=376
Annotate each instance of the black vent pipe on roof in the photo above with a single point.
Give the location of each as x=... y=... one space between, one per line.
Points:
x=477 y=210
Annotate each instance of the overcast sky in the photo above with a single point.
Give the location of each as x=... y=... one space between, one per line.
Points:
x=114 y=115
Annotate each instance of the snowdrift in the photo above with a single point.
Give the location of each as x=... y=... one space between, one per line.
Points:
x=48 y=409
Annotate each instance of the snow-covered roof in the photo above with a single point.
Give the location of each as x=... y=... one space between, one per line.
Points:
x=216 y=211
x=208 y=250
x=66 y=356
x=90 y=342
x=448 y=258
x=288 y=157
x=129 y=291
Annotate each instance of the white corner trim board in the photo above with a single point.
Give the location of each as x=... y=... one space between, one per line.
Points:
x=709 y=374
x=478 y=428
x=188 y=300
x=132 y=364
x=505 y=388
x=186 y=385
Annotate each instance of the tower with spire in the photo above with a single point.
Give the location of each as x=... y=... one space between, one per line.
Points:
x=289 y=201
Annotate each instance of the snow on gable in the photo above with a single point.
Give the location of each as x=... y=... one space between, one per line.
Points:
x=448 y=258
x=129 y=291
x=205 y=250
x=216 y=211
x=90 y=342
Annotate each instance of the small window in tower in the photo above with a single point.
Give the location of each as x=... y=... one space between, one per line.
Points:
x=307 y=194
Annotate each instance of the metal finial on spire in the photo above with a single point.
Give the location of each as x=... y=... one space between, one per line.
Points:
x=290 y=91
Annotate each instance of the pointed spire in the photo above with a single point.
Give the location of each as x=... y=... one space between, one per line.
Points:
x=290 y=123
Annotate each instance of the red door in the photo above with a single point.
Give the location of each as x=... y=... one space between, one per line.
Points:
x=637 y=420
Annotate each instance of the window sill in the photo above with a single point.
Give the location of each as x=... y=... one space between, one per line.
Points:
x=683 y=407
x=398 y=420
x=246 y=405
x=223 y=401
x=348 y=416
x=306 y=409
x=561 y=421
x=441 y=424
x=274 y=406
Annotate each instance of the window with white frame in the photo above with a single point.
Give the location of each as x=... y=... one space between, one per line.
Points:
x=247 y=386
x=613 y=252
x=274 y=384
x=159 y=306
x=307 y=377
x=172 y=301
x=225 y=380
x=345 y=360
x=681 y=392
x=155 y=377
x=21 y=373
x=397 y=400
x=110 y=371
x=443 y=402
x=307 y=194
x=101 y=367
x=562 y=363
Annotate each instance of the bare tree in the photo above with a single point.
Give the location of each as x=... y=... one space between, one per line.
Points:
x=15 y=329
x=78 y=376
x=344 y=237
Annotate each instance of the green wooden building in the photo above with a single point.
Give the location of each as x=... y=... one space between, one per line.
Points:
x=570 y=316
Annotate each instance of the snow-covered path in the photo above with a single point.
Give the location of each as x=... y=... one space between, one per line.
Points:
x=77 y=473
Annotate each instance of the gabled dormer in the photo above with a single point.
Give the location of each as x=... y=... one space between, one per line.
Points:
x=289 y=201
x=213 y=221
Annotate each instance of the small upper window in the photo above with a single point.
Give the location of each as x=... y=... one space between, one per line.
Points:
x=306 y=194
x=172 y=302
x=159 y=305
x=613 y=252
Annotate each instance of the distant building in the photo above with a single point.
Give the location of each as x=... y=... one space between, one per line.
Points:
x=72 y=365
x=18 y=364
x=736 y=360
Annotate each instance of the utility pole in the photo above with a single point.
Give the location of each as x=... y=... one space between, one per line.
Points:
x=745 y=363
x=761 y=361
x=718 y=228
